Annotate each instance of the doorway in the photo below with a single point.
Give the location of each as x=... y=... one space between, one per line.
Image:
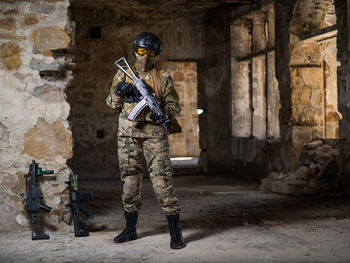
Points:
x=184 y=146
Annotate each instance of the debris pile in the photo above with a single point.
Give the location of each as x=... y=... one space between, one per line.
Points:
x=318 y=172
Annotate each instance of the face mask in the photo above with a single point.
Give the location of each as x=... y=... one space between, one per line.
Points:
x=145 y=63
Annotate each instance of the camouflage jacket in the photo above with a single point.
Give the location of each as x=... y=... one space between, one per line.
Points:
x=143 y=127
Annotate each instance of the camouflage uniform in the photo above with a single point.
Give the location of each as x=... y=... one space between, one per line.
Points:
x=144 y=138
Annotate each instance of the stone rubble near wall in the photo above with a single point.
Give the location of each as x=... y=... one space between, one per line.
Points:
x=317 y=174
x=35 y=37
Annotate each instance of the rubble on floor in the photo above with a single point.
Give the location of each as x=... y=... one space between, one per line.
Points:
x=317 y=174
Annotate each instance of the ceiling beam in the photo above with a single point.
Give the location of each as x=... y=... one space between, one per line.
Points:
x=167 y=4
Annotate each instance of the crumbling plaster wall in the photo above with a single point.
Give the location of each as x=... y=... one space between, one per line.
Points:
x=34 y=72
x=94 y=125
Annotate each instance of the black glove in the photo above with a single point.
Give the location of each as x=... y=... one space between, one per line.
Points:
x=155 y=118
x=129 y=91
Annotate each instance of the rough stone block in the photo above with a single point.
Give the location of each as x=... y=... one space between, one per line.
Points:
x=178 y=76
x=314 y=144
x=294 y=188
x=328 y=170
x=302 y=133
x=5 y=36
x=4 y=136
x=47 y=53
x=306 y=53
x=43 y=8
x=331 y=142
x=265 y=185
x=11 y=12
x=20 y=38
x=49 y=94
x=306 y=114
x=325 y=148
x=323 y=157
x=302 y=173
x=30 y=19
x=10 y=55
x=277 y=176
x=8 y=23
x=45 y=142
x=40 y=65
x=316 y=186
x=307 y=77
x=301 y=95
x=50 y=38
x=307 y=157
x=22 y=220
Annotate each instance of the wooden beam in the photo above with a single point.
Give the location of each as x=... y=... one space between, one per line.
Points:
x=321 y=34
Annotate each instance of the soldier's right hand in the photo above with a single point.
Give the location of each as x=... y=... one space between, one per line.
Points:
x=127 y=89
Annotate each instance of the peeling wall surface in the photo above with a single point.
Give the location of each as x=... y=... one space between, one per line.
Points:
x=34 y=72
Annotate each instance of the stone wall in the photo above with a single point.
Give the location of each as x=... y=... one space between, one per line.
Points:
x=313 y=75
x=254 y=90
x=311 y=15
x=35 y=37
x=103 y=35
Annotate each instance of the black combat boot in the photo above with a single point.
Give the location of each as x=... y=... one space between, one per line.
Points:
x=129 y=232
x=176 y=241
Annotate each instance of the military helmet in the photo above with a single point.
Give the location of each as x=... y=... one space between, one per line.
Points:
x=149 y=41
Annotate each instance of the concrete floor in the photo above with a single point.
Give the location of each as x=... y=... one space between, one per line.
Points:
x=222 y=221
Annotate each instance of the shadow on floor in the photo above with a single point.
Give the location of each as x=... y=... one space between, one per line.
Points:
x=206 y=213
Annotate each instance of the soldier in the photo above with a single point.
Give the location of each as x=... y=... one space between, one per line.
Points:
x=144 y=137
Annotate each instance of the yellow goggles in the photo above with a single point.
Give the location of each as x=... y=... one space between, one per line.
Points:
x=143 y=51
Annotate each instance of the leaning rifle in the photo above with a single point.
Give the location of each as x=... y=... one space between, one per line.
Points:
x=148 y=98
x=33 y=198
x=80 y=230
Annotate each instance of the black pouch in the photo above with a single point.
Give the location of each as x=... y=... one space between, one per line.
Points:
x=174 y=126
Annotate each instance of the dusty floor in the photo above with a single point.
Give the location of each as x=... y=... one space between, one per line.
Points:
x=222 y=221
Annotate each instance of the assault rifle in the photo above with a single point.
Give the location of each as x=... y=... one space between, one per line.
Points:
x=80 y=230
x=147 y=97
x=33 y=198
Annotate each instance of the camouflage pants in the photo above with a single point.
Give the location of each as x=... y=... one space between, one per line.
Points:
x=156 y=153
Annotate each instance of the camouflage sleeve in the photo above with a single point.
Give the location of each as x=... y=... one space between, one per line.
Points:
x=114 y=100
x=170 y=96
